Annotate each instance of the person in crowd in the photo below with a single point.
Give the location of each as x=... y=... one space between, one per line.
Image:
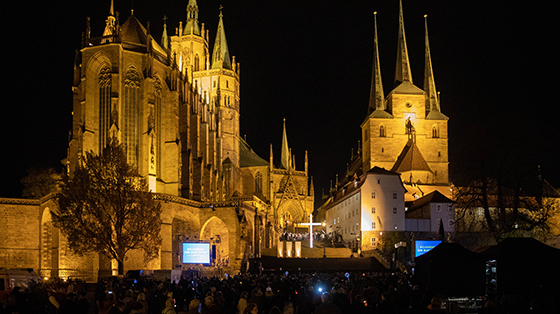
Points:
x=242 y=303
x=194 y=307
x=169 y=307
x=251 y=308
x=210 y=306
x=275 y=310
x=327 y=307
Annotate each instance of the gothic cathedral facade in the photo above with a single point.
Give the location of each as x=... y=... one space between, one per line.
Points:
x=174 y=104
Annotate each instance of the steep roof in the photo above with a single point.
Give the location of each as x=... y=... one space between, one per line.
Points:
x=377 y=170
x=220 y=57
x=433 y=197
x=247 y=157
x=133 y=31
x=411 y=159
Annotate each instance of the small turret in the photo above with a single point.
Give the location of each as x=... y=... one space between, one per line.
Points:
x=164 y=36
x=110 y=22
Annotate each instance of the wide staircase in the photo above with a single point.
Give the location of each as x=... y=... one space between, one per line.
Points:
x=318 y=258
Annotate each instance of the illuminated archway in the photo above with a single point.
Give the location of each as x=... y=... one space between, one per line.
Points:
x=215 y=231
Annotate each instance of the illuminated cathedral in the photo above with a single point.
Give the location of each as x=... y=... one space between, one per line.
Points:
x=173 y=101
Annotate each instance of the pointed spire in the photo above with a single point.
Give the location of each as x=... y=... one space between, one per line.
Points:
x=402 y=71
x=191 y=26
x=164 y=37
x=220 y=57
x=311 y=188
x=376 y=95
x=285 y=157
x=432 y=101
x=110 y=22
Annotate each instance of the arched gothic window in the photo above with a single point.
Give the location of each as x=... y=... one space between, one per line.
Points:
x=196 y=63
x=104 y=107
x=131 y=116
x=258 y=182
x=382 y=131
x=158 y=122
x=435 y=133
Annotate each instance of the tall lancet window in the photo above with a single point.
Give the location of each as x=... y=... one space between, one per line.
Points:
x=258 y=182
x=196 y=63
x=131 y=116
x=382 y=131
x=158 y=122
x=104 y=107
x=435 y=133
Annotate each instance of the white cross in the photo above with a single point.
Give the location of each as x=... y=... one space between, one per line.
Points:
x=311 y=224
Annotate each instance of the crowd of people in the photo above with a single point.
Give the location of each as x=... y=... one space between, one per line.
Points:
x=276 y=293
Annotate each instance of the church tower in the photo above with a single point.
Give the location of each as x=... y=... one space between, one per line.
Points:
x=406 y=132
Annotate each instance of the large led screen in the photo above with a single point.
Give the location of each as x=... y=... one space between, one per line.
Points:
x=196 y=253
x=423 y=246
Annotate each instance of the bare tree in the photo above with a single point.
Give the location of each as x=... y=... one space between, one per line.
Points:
x=105 y=207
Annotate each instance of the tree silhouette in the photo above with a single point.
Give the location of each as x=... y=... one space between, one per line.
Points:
x=105 y=207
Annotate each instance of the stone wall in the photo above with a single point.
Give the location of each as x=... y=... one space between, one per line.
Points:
x=19 y=234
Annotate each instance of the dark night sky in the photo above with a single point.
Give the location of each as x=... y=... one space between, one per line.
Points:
x=310 y=62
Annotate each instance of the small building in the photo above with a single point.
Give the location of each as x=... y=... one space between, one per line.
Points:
x=366 y=207
x=427 y=213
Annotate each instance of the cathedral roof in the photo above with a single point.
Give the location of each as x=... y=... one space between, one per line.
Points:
x=133 y=31
x=411 y=159
x=248 y=158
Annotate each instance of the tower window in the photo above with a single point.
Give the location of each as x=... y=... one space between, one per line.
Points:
x=439 y=154
x=435 y=133
x=373 y=225
x=395 y=210
x=373 y=210
x=382 y=149
x=382 y=131
x=394 y=195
